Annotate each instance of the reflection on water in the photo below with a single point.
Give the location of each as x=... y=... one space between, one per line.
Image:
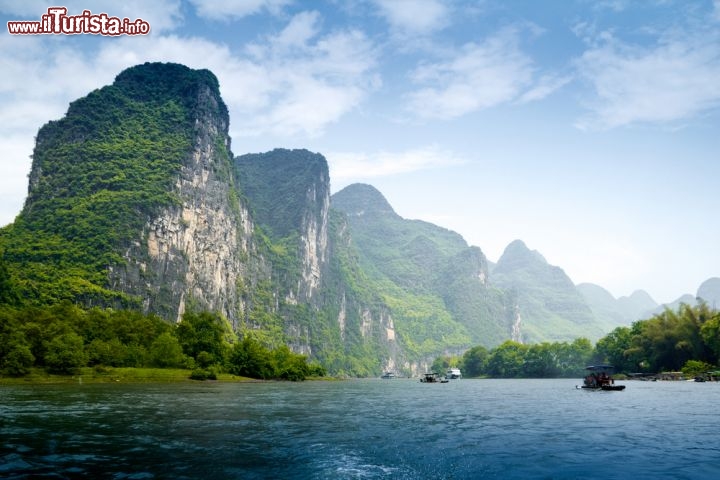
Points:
x=370 y=429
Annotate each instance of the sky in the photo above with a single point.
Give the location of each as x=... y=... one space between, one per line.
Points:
x=589 y=129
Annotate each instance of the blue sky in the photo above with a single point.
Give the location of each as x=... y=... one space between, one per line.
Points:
x=587 y=128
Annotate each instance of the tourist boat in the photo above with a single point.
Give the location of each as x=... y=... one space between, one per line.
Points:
x=600 y=378
x=453 y=373
x=388 y=375
x=433 y=378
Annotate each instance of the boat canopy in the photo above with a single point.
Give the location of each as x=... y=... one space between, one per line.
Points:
x=600 y=368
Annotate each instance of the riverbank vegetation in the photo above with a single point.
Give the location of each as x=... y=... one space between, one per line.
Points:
x=66 y=340
x=48 y=344
x=686 y=339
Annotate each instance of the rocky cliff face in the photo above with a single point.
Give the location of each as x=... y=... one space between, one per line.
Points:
x=314 y=238
x=192 y=253
x=289 y=193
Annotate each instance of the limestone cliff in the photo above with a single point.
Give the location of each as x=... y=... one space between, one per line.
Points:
x=194 y=252
x=289 y=194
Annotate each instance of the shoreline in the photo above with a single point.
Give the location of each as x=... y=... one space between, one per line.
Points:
x=127 y=375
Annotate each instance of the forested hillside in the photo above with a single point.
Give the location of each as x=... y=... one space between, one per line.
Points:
x=98 y=174
x=435 y=284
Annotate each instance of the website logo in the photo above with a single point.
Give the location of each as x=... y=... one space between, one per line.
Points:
x=57 y=22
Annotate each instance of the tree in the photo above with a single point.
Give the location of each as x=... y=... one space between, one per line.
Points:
x=250 y=359
x=507 y=360
x=166 y=352
x=65 y=354
x=18 y=361
x=110 y=353
x=541 y=361
x=614 y=349
x=669 y=339
x=442 y=363
x=202 y=332
x=473 y=361
x=574 y=357
x=710 y=332
x=695 y=367
x=8 y=293
x=290 y=365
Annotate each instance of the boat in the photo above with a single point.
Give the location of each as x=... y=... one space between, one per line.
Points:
x=600 y=378
x=388 y=375
x=453 y=374
x=433 y=378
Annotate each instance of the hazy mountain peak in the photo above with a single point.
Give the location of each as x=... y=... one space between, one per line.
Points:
x=360 y=198
x=518 y=253
x=709 y=291
x=640 y=296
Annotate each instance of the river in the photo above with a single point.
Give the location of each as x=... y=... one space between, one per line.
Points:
x=361 y=429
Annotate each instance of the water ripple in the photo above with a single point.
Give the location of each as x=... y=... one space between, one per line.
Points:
x=365 y=429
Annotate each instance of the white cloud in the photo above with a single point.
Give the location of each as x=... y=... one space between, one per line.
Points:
x=545 y=85
x=300 y=81
x=352 y=166
x=15 y=150
x=278 y=87
x=479 y=76
x=414 y=16
x=302 y=28
x=229 y=9
x=673 y=80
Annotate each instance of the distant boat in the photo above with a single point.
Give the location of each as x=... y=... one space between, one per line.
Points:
x=600 y=378
x=433 y=378
x=453 y=374
x=388 y=375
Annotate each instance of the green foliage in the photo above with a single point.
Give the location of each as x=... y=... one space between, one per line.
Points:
x=289 y=365
x=8 y=289
x=541 y=360
x=17 y=361
x=98 y=174
x=669 y=341
x=506 y=360
x=112 y=353
x=614 y=348
x=249 y=358
x=710 y=333
x=65 y=353
x=203 y=374
x=427 y=276
x=442 y=363
x=64 y=338
x=166 y=352
x=552 y=307
x=473 y=361
x=695 y=367
x=278 y=201
x=202 y=337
